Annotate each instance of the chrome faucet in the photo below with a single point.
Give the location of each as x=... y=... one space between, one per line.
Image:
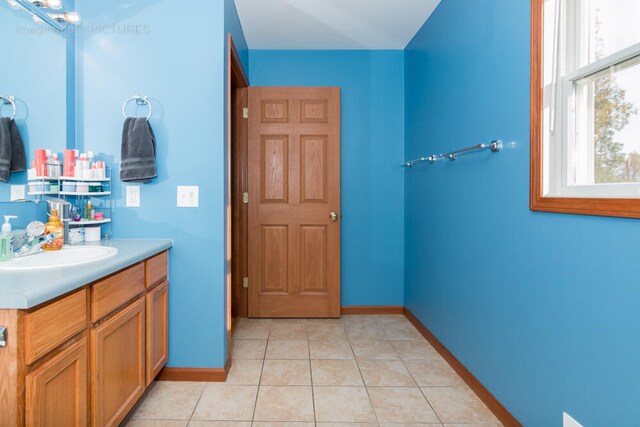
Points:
x=34 y=240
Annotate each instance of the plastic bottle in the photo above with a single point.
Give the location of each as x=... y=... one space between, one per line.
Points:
x=6 y=239
x=88 y=213
x=56 y=228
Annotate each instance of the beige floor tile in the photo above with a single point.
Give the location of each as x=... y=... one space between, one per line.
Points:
x=220 y=424
x=248 y=321
x=251 y=331
x=170 y=401
x=410 y=425
x=289 y=321
x=288 y=349
x=352 y=319
x=343 y=404
x=286 y=372
x=415 y=350
x=347 y=424
x=473 y=425
x=401 y=404
x=433 y=372
x=365 y=333
x=458 y=405
x=330 y=350
x=156 y=423
x=244 y=372
x=330 y=322
x=288 y=331
x=374 y=350
x=249 y=349
x=326 y=333
x=405 y=332
x=226 y=403
x=335 y=373
x=283 y=424
x=385 y=373
x=391 y=319
x=288 y=403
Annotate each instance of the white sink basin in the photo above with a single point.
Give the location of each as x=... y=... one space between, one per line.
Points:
x=67 y=257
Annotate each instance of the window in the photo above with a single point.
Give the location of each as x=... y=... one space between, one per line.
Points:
x=585 y=116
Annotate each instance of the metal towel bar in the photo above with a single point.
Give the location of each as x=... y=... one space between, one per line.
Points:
x=494 y=146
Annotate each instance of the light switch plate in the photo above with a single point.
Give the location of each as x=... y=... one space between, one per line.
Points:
x=567 y=421
x=133 y=196
x=18 y=192
x=188 y=196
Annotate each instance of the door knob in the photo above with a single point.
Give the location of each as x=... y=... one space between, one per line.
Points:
x=333 y=216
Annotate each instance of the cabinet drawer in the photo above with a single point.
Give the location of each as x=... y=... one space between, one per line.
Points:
x=50 y=326
x=117 y=290
x=156 y=269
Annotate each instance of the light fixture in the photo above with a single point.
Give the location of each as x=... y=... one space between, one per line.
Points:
x=14 y=4
x=37 y=19
x=49 y=4
x=67 y=17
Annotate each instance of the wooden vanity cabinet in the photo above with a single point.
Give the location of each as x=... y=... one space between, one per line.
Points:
x=86 y=358
x=157 y=334
x=56 y=392
x=118 y=365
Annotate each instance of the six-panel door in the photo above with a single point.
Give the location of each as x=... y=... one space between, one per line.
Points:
x=294 y=202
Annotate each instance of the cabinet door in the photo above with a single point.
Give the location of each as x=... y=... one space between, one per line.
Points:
x=118 y=366
x=157 y=330
x=56 y=392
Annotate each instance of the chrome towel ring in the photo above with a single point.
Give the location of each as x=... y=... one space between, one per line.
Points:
x=9 y=100
x=140 y=100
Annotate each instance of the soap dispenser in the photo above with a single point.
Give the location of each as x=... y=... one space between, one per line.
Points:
x=6 y=239
x=56 y=229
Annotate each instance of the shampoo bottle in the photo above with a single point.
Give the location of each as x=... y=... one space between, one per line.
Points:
x=56 y=228
x=6 y=239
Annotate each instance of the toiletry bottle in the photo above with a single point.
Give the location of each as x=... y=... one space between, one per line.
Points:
x=56 y=228
x=6 y=239
x=88 y=213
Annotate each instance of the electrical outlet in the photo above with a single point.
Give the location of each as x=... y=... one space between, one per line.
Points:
x=188 y=196
x=133 y=196
x=567 y=421
x=18 y=192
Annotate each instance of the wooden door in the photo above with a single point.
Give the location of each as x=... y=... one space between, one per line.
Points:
x=118 y=366
x=56 y=392
x=294 y=202
x=157 y=330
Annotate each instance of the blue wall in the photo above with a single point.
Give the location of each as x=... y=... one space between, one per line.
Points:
x=176 y=57
x=38 y=80
x=372 y=147
x=542 y=308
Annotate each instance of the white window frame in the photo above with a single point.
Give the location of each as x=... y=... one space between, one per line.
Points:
x=562 y=141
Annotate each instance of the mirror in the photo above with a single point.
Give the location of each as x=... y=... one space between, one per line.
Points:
x=38 y=70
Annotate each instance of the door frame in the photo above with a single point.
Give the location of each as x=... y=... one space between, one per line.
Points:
x=237 y=214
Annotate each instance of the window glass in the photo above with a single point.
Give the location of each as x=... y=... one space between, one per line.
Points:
x=612 y=128
x=613 y=26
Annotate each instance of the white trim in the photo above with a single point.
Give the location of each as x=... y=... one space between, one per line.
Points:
x=565 y=149
x=603 y=64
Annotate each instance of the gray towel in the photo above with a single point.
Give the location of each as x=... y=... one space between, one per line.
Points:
x=18 y=155
x=138 y=152
x=12 y=154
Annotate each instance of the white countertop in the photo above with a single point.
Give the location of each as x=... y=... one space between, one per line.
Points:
x=27 y=289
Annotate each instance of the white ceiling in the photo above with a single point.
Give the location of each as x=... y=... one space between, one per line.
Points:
x=332 y=24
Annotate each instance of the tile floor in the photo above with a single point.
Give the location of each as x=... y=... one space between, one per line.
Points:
x=354 y=371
